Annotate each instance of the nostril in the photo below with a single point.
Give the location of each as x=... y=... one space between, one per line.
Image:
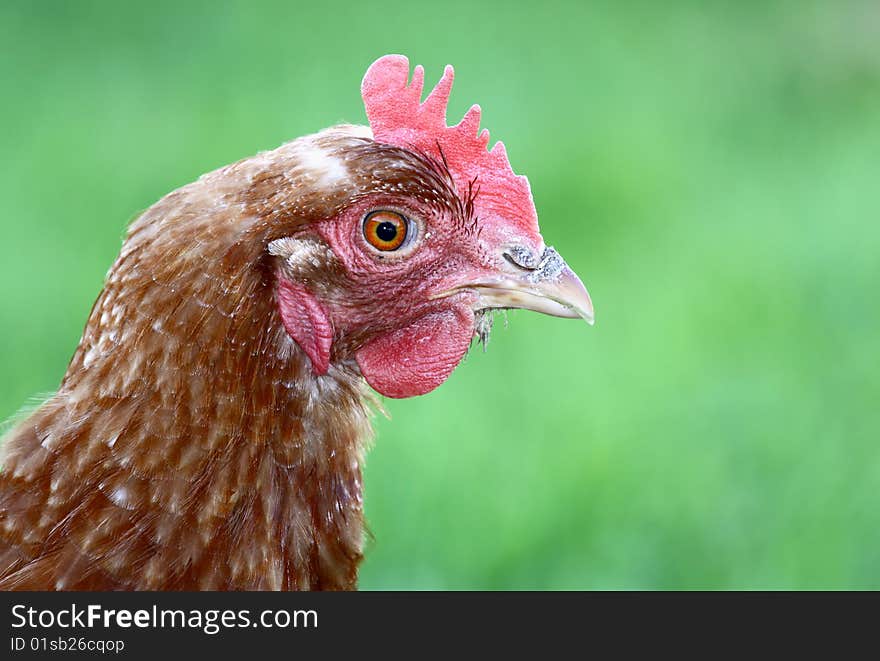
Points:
x=550 y=268
x=522 y=258
x=547 y=267
x=512 y=260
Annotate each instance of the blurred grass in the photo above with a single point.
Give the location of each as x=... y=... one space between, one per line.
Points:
x=710 y=169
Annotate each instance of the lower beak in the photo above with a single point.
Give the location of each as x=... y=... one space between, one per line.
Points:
x=551 y=288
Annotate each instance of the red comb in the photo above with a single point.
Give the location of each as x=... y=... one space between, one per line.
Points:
x=397 y=117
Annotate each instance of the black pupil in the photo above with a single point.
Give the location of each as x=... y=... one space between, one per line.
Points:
x=386 y=231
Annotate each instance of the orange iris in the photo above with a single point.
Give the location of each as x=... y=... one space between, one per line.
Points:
x=385 y=230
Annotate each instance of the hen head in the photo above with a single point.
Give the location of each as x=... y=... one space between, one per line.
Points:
x=415 y=232
x=210 y=429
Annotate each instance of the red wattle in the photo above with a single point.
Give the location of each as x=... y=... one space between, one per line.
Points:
x=416 y=359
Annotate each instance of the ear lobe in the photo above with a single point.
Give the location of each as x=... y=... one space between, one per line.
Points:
x=306 y=321
x=416 y=359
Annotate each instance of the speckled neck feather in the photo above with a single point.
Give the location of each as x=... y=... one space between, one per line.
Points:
x=189 y=446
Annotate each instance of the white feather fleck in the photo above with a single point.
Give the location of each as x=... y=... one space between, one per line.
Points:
x=327 y=169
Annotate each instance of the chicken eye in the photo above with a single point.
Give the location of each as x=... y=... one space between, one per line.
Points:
x=385 y=230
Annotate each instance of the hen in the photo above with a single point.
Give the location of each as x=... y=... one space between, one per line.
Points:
x=209 y=432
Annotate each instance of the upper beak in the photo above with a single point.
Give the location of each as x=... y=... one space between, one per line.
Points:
x=547 y=285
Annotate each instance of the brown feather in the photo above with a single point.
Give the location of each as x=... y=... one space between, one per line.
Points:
x=189 y=445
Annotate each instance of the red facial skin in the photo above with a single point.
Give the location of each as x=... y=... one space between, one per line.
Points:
x=406 y=342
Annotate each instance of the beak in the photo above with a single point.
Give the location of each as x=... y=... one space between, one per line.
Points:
x=550 y=287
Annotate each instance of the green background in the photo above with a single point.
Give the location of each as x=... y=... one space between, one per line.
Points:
x=710 y=169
